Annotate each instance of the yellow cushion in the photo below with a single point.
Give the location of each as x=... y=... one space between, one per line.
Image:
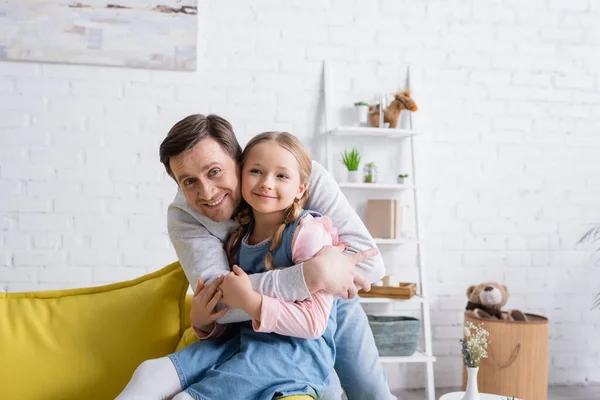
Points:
x=86 y=343
x=188 y=337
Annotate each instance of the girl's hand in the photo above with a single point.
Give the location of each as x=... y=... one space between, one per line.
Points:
x=202 y=314
x=237 y=290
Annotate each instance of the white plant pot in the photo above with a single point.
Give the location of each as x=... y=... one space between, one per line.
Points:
x=362 y=115
x=472 y=393
x=400 y=181
x=353 y=176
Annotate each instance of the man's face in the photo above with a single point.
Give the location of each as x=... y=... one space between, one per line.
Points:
x=209 y=179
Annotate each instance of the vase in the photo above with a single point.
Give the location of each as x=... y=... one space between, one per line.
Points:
x=472 y=393
x=353 y=176
x=370 y=172
x=362 y=115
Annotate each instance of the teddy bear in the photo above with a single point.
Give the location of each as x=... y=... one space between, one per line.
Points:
x=402 y=101
x=486 y=301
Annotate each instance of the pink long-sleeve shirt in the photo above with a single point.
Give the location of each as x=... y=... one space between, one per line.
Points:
x=307 y=318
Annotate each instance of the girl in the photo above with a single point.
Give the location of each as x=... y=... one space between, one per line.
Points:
x=275 y=232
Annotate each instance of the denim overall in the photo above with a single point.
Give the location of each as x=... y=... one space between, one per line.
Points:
x=262 y=366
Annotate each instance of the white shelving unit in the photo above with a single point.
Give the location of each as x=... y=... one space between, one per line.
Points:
x=418 y=357
x=387 y=186
x=395 y=241
x=361 y=131
x=334 y=132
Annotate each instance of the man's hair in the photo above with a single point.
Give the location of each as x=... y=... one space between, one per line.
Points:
x=186 y=133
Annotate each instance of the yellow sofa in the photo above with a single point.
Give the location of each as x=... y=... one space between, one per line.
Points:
x=85 y=343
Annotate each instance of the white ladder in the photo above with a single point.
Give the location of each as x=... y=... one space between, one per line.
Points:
x=332 y=131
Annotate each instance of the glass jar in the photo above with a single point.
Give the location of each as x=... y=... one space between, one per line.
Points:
x=370 y=173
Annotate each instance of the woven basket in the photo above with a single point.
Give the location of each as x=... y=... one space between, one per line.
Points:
x=517 y=363
x=395 y=335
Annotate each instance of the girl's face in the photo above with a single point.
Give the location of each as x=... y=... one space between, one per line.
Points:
x=271 y=178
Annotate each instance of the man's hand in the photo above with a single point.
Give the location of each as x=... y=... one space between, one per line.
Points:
x=238 y=293
x=334 y=272
x=202 y=314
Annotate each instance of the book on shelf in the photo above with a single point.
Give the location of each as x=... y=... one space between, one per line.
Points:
x=384 y=218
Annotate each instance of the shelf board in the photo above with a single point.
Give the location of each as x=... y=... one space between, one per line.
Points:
x=370 y=131
x=418 y=357
x=393 y=186
x=395 y=241
x=386 y=300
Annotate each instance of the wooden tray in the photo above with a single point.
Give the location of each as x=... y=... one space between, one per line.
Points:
x=404 y=290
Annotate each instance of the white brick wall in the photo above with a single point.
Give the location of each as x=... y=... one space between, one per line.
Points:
x=508 y=91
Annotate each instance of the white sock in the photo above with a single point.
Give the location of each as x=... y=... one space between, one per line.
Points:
x=183 y=396
x=155 y=379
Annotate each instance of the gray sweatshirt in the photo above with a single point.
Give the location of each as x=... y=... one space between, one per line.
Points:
x=199 y=241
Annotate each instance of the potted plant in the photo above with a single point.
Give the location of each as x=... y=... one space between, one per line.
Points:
x=370 y=171
x=401 y=178
x=351 y=160
x=593 y=235
x=362 y=113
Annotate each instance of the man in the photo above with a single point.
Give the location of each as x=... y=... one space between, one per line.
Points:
x=202 y=155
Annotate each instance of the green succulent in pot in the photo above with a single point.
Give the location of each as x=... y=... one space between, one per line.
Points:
x=351 y=159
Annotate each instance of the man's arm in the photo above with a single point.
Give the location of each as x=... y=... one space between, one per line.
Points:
x=198 y=243
x=326 y=197
x=202 y=256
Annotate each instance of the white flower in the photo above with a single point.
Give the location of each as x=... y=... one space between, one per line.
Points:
x=475 y=346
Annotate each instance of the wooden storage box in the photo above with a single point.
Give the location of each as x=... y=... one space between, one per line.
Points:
x=517 y=362
x=404 y=290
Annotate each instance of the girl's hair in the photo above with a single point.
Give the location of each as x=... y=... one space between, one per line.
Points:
x=290 y=214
